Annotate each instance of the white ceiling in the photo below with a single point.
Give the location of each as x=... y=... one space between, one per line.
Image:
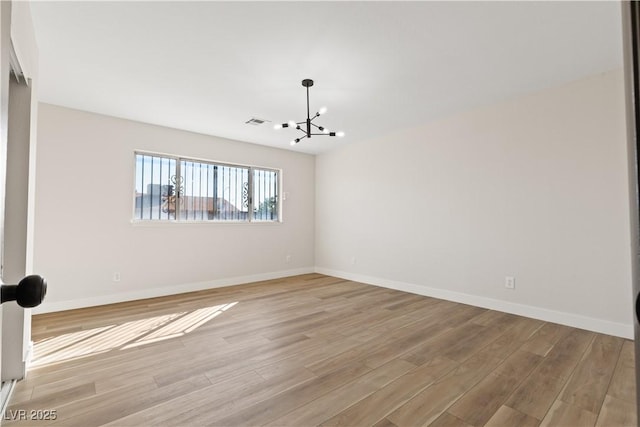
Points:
x=208 y=67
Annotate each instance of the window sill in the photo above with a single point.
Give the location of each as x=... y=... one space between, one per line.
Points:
x=171 y=223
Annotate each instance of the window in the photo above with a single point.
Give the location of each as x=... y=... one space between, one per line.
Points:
x=181 y=189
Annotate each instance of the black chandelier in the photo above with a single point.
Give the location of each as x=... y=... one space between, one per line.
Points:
x=306 y=126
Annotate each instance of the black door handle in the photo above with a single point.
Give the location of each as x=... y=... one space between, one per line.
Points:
x=28 y=293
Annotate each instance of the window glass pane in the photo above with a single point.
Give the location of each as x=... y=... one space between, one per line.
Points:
x=232 y=184
x=203 y=191
x=213 y=192
x=155 y=187
x=265 y=195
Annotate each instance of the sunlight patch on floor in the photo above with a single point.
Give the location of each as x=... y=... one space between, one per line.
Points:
x=135 y=333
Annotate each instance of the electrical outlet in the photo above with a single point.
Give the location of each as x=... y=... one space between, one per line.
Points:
x=116 y=277
x=287 y=259
x=510 y=282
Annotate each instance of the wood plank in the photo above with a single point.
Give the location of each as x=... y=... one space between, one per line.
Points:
x=494 y=318
x=282 y=403
x=330 y=404
x=564 y=414
x=536 y=394
x=384 y=423
x=545 y=338
x=448 y=420
x=225 y=404
x=427 y=405
x=506 y=416
x=565 y=354
x=214 y=367
x=400 y=344
x=21 y=394
x=617 y=413
x=55 y=399
x=539 y=390
x=376 y=406
x=519 y=365
x=479 y=404
x=180 y=408
x=444 y=342
x=107 y=407
x=465 y=348
x=589 y=383
x=623 y=383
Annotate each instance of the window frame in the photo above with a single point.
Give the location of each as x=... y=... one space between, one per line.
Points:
x=178 y=159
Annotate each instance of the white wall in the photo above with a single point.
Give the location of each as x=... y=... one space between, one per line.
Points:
x=535 y=188
x=84 y=197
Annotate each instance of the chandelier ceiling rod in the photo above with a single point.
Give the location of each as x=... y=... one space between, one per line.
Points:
x=309 y=121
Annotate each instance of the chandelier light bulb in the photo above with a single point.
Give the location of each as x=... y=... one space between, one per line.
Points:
x=322 y=110
x=325 y=131
x=292 y=123
x=278 y=126
x=292 y=143
x=340 y=134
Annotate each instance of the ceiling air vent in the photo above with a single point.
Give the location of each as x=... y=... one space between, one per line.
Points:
x=256 y=122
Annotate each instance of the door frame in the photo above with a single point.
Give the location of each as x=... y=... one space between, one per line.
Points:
x=16 y=337
x=631 y=50
x=5 y=45
x=18 y=116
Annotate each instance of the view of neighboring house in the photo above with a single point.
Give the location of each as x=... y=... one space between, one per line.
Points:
x=159 y=201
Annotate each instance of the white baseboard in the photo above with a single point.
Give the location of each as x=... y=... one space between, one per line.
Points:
x=28 y=355
x=50 y=307
x=563 y=318
x=569 y=319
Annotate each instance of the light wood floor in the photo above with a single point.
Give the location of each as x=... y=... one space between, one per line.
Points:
x=316 y=350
